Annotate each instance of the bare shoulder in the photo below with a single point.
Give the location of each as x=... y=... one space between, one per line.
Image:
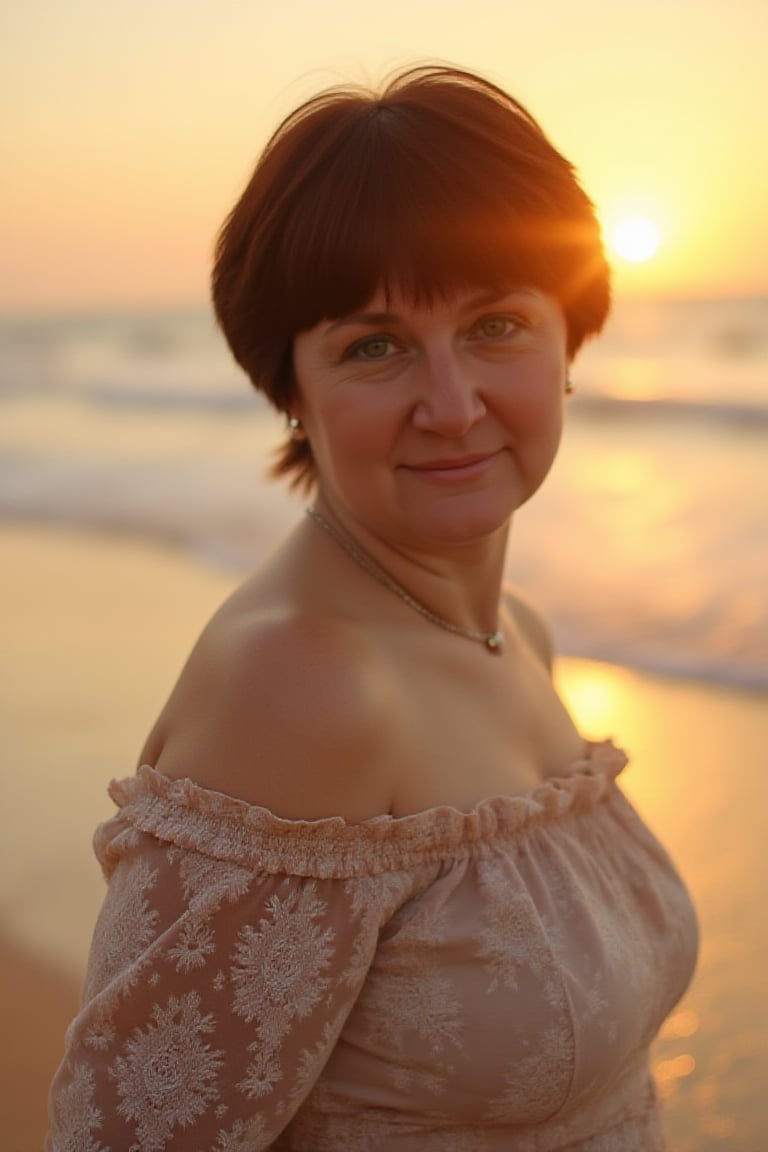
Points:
x=531 y=624
x=289 y=713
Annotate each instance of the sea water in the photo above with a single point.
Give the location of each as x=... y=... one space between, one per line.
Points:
x=646 y=546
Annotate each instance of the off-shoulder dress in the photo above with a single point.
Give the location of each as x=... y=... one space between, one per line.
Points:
x=442 y=982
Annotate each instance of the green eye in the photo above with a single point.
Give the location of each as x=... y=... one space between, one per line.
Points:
x=373 y=348
x=493 y=327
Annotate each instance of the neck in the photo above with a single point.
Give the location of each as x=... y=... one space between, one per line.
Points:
x=460 y=584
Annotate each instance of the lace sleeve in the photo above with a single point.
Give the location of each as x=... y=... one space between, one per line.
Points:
x=214 y=995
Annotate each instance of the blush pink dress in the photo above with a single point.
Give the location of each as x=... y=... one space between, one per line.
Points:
x=443 y=982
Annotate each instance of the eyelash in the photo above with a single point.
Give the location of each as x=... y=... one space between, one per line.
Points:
x=514 y=321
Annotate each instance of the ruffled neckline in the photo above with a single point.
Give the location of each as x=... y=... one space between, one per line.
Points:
x=215 y=824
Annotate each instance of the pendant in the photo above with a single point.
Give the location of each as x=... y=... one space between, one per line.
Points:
x=494 y=642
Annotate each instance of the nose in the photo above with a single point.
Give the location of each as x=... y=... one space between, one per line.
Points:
x=449 y=403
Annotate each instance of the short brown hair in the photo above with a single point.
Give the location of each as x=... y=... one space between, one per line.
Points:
x=438 y=181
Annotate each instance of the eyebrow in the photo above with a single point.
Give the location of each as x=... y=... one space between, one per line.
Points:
x=489 y=296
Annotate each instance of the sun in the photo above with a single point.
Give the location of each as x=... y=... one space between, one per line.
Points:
x=635 y=238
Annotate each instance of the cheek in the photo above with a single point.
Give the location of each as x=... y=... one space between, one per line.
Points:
x=348 y=431
x=533 y=405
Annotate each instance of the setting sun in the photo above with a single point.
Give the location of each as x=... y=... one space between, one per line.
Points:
x=635 y=239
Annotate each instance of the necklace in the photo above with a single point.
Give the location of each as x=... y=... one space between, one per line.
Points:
x=493 y=641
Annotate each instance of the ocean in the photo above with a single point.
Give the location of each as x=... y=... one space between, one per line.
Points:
x=646 y=546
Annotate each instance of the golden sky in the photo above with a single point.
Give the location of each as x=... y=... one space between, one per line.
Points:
x=129 y=126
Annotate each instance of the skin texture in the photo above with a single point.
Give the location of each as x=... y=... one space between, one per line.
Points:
x=315 y=691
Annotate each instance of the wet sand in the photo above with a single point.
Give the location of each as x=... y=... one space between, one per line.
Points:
x=94 y=632
x=37 y=1003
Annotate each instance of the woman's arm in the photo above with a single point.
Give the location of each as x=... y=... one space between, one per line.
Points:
x=216 y=991
x=214 y=996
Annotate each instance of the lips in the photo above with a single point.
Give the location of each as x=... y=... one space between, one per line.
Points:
x=450 y=464
x=454 y=467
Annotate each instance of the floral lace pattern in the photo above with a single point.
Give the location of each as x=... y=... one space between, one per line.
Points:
x=167 y=1076
x=456 y=982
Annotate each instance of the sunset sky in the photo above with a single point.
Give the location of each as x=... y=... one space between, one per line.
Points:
x=128 y=128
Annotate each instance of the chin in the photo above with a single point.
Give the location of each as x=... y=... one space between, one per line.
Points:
x=472 y=515
x=467 y=522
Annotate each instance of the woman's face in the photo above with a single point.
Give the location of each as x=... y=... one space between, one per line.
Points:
x=432 y=424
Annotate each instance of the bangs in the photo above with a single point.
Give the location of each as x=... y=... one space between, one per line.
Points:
x=423 y=222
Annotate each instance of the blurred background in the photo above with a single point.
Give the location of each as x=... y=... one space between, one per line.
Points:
x=133 y=452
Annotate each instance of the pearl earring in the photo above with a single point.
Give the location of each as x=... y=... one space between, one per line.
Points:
x=296 y=428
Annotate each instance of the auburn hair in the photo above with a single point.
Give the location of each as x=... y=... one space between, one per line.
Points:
x=440 y=180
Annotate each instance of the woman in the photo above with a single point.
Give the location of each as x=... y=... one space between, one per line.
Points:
x=370 y=888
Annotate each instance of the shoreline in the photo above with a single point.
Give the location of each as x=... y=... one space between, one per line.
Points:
x=96 y=628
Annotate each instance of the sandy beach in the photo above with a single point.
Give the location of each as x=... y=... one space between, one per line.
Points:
x=94 y=631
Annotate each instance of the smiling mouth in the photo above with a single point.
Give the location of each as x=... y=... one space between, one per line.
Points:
x=457 y=468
